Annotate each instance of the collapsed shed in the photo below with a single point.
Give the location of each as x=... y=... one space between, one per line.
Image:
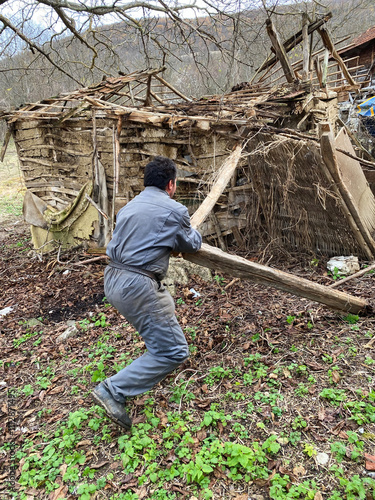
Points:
x=82 y=156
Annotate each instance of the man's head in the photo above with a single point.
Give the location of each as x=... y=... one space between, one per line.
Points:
x=161 y=172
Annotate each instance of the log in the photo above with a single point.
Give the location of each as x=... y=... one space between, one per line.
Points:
x=235 y=266
x=218 y=187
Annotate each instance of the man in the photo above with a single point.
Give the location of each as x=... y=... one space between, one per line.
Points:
x=148 y=229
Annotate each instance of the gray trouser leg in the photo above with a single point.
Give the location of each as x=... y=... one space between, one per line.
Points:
x=149 y=307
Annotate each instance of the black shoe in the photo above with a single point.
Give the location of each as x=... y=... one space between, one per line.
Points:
x=115 y=410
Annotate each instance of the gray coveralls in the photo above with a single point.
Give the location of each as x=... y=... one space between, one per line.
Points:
x=148 y=228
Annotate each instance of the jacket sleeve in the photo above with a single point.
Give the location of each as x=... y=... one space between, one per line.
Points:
x=187 y=239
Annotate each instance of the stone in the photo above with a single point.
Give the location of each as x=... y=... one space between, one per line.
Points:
x=343 y=265
x=33 y=322
x=282 y=440
x=322 y=459
x=6 y=310
x=179 y=271
x=70 y=332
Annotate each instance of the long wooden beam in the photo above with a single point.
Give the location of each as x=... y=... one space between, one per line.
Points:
x=280 y=51
x=224 y=175
x=294 y=40
x=214 y=258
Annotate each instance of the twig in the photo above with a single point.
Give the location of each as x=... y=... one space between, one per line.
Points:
x=88 y=198
x=367 y=163
x=88 y=261
x=234 y=280
x=355 y=275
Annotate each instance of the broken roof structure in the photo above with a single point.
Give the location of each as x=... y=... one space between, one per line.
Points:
x=297 y=183
x=359 y=57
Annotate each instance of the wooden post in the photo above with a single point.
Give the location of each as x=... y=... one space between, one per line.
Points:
x=214 y=258
x=318 y=71
x=224 y=175
x=306 y=48
x=5 y=144
x=325 y=68
x=280 y=52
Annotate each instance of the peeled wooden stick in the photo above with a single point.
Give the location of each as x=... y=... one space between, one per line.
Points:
x=218 y=187
x=355 y=275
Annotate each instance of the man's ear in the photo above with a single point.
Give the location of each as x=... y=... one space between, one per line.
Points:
x=169 y=185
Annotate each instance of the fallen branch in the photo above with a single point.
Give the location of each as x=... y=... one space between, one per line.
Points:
x=353 y=276
x=88 y=261
x=362 y=161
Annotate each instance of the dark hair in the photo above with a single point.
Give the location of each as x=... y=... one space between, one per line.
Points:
x=159 y=172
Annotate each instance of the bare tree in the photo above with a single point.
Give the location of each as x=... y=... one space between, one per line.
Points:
x=208 y=45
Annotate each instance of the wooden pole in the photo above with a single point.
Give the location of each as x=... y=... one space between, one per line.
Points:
x=214 y=258
x=280 y=51
x=306 y=48
x=5 y=144
x=224 y=176
x=318 y=71
x=325 y=68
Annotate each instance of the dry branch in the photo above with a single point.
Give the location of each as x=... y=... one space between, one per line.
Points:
x=353 y=276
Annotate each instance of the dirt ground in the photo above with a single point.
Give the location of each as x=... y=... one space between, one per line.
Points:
x=276 y=400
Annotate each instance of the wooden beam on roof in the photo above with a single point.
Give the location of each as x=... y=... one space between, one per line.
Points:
x=280 y=51
x=327 y=41
x=294 y=40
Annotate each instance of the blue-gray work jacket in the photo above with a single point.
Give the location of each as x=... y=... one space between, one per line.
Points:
x=148 y=228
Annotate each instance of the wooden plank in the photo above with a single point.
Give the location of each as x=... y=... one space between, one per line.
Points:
x=329 y=157
x=214 y=258
x=354 y=179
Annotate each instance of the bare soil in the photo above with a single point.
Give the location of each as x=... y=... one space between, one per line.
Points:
x=303 y=349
